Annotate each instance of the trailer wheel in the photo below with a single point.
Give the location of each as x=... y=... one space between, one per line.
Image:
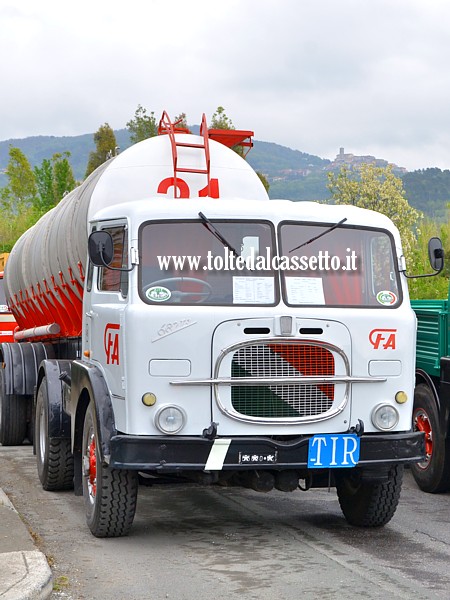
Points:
x=54 y=456
x=369 y=504
x=13 y=417
x=433 y=474
x=110 y=495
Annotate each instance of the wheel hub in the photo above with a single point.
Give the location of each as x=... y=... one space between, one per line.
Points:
x=422 y=423
x=90 y=467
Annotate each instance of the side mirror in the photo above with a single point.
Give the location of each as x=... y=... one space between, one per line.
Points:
x=436 y=257
x=101 y=248
x=436 y=254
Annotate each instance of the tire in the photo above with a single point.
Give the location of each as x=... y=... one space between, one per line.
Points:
x=13 y=417
x=433 y=474
x=54 y=457
x=110 y=495
x=369 y=504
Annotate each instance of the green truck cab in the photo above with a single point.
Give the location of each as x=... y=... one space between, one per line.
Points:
x=431 y=412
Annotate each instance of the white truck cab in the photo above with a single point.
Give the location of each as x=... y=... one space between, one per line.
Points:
x=257 y=343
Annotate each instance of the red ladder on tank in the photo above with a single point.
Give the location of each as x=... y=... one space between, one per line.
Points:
x=227 y=137
x=169 y=128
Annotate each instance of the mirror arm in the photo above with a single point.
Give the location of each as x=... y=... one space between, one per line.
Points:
x=123 y=269
x=425 y=275
x=438 y=253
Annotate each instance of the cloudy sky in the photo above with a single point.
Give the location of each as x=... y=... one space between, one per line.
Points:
x=372 y=76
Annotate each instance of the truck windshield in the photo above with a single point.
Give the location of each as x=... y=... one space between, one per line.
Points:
x=184 y=262
x=348 y=266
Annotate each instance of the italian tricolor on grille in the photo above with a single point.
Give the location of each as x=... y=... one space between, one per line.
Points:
x=290 y=359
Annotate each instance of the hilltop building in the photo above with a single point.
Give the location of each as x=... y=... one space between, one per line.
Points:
x=352 y=161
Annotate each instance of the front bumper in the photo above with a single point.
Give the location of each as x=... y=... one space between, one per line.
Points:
x=177 y=453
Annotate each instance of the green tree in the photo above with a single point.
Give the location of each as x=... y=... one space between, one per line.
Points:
x=142 y=126
x=54 y=179
x=20 y=193
x=12 y=227
x=63 y=178
x=44 y=183
x=220 y=120
x=377 y=188
x=106 y=144
x=17 y=199
x=30 y=193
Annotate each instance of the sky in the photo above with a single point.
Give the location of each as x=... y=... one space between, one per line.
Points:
x=371 y=76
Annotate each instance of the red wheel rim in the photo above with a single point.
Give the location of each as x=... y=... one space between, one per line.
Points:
x=92 y=475
x=422 y=423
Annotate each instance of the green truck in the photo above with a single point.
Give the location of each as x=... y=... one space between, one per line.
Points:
x=431 y=412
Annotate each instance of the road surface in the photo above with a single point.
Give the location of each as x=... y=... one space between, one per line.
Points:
x=205 y=543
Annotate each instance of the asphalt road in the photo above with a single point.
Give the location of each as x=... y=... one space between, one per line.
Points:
x=198 y=543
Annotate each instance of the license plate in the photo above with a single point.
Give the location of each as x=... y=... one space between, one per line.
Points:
x=258 y=459
x=333 y=450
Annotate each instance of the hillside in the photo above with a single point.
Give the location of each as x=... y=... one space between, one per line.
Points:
x=36 y=148
x=292 y=174
x=429 y=191
x=271 y=159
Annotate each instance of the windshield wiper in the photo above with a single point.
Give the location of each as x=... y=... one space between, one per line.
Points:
x=216 y=233
x=320 y=235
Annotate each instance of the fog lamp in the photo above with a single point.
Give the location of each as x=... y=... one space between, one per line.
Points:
x=385 y=417
x=401 y=397
x=149 y=399
x=170 y=419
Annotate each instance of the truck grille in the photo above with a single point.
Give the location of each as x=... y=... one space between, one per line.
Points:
x=288 y=359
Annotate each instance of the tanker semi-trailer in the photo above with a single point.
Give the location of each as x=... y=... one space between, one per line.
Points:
x=173 y=321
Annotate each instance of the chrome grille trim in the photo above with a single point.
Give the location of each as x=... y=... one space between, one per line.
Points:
x=279 y=380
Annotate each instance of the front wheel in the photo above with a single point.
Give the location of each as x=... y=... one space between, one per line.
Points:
x=369 y=503
x=110 y=495
x=432 y=474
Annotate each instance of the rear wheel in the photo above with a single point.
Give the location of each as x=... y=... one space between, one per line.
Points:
x=13 y=417
x=432 y=474
x=110 y=495
x=54 y=456
x=369 y=503
x=13 y=420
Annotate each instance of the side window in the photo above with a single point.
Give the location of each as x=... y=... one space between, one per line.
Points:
x=116 y=281
x=383 y=276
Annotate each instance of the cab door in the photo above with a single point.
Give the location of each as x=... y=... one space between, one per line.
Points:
x=105 y=303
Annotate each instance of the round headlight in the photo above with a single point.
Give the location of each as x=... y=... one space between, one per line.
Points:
x=170 y=419
x=385 y=417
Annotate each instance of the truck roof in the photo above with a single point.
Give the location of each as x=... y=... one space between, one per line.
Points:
x=244 y=208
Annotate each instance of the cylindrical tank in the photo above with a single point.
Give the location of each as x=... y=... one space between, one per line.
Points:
x=44 y=275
